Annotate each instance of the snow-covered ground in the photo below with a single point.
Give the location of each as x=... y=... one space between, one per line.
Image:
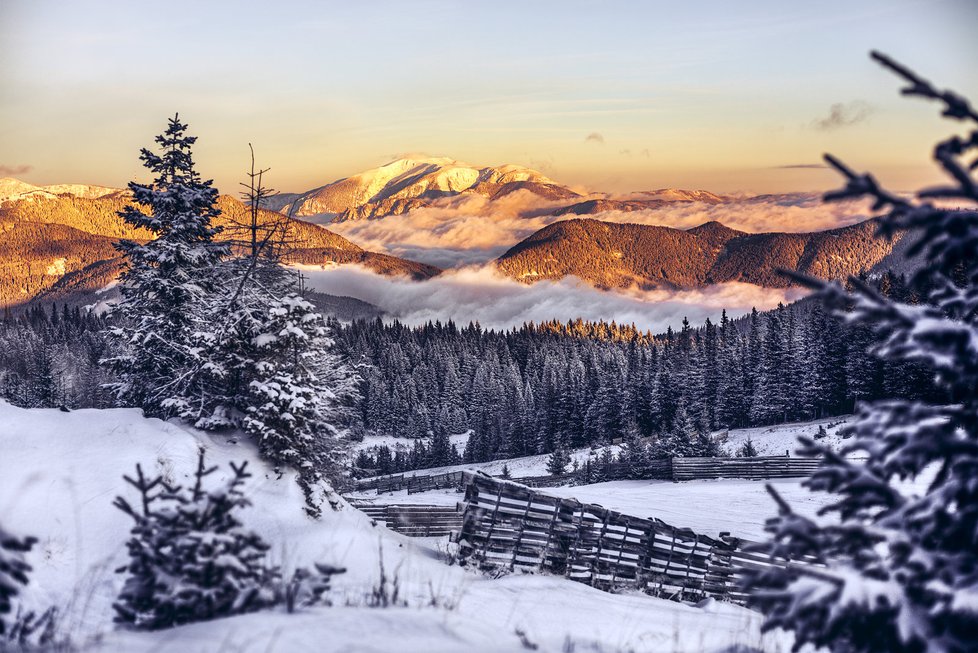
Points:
x=371 y=442
x=60 y=471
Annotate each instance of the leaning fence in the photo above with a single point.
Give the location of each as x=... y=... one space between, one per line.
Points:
x=506 y=525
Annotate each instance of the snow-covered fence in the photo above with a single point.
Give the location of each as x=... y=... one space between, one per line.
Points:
x=415 y=520
x=506 y=525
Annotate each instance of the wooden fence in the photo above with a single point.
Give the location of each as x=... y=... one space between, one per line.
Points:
x=506 y=525
x=688 y=469
x=416 y=520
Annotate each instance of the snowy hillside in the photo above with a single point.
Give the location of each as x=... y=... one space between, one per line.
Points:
x=783 y=438
x=60 y=472
x=768 y=440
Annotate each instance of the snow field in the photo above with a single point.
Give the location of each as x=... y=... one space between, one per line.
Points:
x=60 y=471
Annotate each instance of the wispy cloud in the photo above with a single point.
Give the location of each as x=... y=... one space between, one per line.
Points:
x=843 y=115
x=481 y=293
x=801 y=166
x=22 y=169
x=594 y=137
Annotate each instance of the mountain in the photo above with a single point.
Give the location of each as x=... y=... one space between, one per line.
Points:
x=612 y=255
x=410 y=183
x=61 y=246
x=14 y=189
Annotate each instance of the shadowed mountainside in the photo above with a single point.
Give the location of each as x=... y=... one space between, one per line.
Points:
x=613 y=255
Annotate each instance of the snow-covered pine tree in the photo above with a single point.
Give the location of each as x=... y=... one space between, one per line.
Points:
x=162 y=330
x=13 y=573
x=901 y=565
x=269 y=363
x=297 y=392
x=190 y=557
x=747 y=450
x=557 y=462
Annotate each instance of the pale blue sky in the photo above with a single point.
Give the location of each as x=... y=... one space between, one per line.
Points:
x=705 y=94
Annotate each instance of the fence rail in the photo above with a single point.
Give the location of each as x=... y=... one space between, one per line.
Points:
x=511 y=526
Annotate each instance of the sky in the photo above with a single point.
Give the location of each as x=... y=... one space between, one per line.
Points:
x=603 y=95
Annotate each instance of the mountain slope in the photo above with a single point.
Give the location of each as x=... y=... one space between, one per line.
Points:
x=62 y=245
x=613 y=255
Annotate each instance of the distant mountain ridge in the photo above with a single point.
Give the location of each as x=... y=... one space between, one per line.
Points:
x=415 y=183
x=14 y=189
x=619 y=255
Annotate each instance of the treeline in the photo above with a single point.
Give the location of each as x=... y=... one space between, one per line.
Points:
x=540 y=388
x=51 y=358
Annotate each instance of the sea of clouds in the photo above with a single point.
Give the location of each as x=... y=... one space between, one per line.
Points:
x=480 y=293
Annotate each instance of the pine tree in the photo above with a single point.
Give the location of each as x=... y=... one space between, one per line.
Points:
x=747 y=450
x=161 y=336
x=557 y=462
x=296 y=395
x=190 y=558
x=901 y=567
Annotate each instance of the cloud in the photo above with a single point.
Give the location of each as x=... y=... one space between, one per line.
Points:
x=469 y=229
x=481 y=293
x=22 y=169
x=646 y=153
x=843 y=115
x=625 y=152
x=594 y=137
x=801 y=166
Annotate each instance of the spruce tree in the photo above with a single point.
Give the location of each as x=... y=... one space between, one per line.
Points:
x=900 y=567
x=161 y=334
